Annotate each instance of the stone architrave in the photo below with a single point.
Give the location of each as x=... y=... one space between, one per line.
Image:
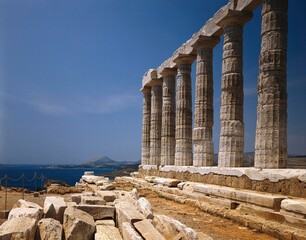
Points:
x=183 y=118
x=231 y=147
x=271 y=126
x=146 y=123
x=203 y=154
x=156 y=121
x=168 y=117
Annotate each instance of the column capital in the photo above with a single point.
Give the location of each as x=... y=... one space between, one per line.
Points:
x=234 y=17
x=205 y=41
x=146 y=90
x=184 y=59
x=169 y=72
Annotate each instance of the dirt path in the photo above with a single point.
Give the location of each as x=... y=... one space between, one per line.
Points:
x=215 y=227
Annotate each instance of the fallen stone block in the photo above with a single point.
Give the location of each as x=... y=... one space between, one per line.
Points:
x=107 y=222
x=98 y=211
x=107 y=187
x=107 y=196
x=49 y=228
x=89 y=173
x=294 y=205
x=181 y=185
x=147 y=230
x=134 y=194
x=76 y=198
x=166 y=181
x=21 y=228
x=54 y=207
x=21 y=203
x=127 y=212
x=78 y=224
x=92 y=200
x=105 y=232
x=25 y=212
x=129 y=233
x=145 y=207
x=173 y=229
x=91 y=179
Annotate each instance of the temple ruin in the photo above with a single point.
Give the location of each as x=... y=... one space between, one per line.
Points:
x=167 y=134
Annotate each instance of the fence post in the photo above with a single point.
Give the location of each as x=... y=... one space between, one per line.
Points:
x=5 y=201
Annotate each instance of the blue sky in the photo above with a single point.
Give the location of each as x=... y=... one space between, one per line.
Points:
x=71 y=70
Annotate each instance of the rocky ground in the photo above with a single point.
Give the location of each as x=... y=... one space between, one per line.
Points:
x=200 y=221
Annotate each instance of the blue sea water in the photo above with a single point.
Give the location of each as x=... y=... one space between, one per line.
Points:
x=68 y=175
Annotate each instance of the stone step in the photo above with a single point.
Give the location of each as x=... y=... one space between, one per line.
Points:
x=272 y=201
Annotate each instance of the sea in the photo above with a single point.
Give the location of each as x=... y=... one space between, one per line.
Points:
x=43 y=173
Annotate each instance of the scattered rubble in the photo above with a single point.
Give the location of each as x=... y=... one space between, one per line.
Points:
x=94 y=214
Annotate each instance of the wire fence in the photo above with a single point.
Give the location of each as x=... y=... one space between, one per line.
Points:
x=23 y=179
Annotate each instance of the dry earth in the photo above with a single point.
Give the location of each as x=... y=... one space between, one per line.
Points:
x=215 y=227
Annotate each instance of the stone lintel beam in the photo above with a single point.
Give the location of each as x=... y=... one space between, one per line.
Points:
x=146 y=89
x=247 y=5
x=168 y=72
x=234 y=17
x=205 y=41
x=184 y=59
x=156 y=82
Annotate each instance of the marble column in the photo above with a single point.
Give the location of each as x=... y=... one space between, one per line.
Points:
x=156 y=121
x=203 y=146
x=271 y=127
x=231 y=147
x=168 y=117
x=146 y=123
x=183 y=118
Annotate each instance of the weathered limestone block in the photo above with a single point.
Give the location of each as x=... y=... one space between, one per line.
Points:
x=294 y=205
x=92 y=200
x=146 y=125
x=166 y=181
x=76 y=198
x=21 y=228
x=129 y=233
x=145 y=207
x=127 y=212
x=98 y=211
x=107 y=196
x=181 y=185
x=89 y=173
x=261 y=199
x=134 y=194
x=91 y=179
x=173 y=229
x=78 y=224
x=107 y=187
x=107 y=222
x=34 y=213
x=54 y=207
x=49 y=228
x=124 y=196
x=147 y=230
x=21 y=203
x=105 y=232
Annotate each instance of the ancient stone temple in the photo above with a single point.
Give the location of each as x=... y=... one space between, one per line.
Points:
x=174 y=134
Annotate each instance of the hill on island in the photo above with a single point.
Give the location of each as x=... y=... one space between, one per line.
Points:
x=101 y=162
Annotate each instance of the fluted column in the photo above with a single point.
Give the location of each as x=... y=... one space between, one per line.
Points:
x=203 y=146
x=156 y=120
x=168 y=117
x=146 y=123
x=231 y=147
x=183 y=119
x=271 y=127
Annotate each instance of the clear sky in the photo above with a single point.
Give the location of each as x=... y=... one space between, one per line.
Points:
x=71 y=70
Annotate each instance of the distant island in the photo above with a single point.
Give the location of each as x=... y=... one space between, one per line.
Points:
x=100 y=162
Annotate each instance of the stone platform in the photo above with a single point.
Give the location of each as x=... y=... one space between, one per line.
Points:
x=289 y=182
